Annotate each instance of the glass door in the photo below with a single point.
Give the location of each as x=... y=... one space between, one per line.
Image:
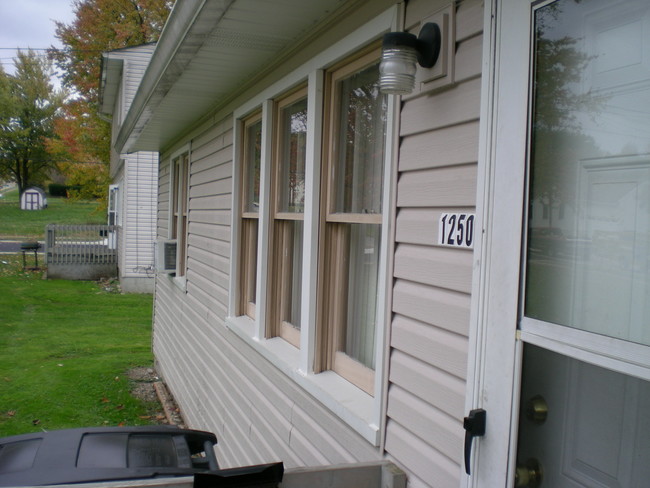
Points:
x=563 y=302
x=585 y=321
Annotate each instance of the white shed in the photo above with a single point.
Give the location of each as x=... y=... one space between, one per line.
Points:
x=33 y=199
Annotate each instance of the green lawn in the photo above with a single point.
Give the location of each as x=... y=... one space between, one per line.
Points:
x=30 y=224
x=65 y=347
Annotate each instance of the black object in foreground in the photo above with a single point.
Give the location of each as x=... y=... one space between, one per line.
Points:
x=261 y=476
x=105 y=454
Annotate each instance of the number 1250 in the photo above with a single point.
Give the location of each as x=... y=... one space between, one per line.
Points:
x=456 y=229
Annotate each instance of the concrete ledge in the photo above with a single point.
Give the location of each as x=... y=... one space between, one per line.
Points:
x=380 y=474
x=90 y=272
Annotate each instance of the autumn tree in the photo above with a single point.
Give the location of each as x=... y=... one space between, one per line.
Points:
x=98 y=26
x=29 y=106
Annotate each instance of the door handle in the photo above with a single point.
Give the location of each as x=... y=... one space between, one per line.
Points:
x=474 y=425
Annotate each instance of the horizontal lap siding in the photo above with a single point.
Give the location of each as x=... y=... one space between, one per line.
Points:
x=140 y=214
x=222 y=385
x=431 y=295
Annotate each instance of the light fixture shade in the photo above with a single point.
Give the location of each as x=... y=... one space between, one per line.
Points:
x=400 y=52
x=397 y=67
x=397 y=71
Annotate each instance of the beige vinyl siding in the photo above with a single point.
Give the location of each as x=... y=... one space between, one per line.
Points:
x=258 y=413
x=431 y=295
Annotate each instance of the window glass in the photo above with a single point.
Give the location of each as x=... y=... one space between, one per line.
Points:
x=252 y=145
x=353 y=221
x=588 y=260
x=363 y=258
x=286 y=266
x=360 y=144
x=291 y=178
x=253 y=150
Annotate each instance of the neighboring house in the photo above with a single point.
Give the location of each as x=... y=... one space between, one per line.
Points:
x=133 y=192
x=347 y=273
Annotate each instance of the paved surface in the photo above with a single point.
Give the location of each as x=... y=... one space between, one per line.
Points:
x=14 y=247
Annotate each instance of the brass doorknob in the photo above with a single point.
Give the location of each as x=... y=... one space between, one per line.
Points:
x=528 y=475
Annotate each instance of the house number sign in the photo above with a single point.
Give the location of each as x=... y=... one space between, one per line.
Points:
x=456 y=230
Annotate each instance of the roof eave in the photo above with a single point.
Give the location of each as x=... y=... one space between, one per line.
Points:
x=180 y=40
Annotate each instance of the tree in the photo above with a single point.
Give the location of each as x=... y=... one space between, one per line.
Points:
x=99 y=26
x=29 y=105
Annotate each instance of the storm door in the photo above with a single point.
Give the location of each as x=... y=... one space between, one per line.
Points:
x=580 y=388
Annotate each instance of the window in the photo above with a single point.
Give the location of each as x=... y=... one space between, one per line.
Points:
x=311 y=240
x=180 y=183
x=352 y=220
x=287 y=227
x=252 y=153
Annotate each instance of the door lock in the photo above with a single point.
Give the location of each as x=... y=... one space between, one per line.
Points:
x=528 y=475
x=536 y=409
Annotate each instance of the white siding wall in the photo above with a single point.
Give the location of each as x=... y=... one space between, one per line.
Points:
x=139 y=215
x=136 y=60
x=137 y=185
x=431 y=299
x=258 y=414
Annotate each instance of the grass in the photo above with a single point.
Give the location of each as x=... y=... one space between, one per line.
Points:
x=65 y=347
x=30 y=224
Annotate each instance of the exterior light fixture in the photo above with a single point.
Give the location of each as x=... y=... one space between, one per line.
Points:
x=400 y=51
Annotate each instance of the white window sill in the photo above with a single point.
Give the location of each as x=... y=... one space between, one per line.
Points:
x=179 y=281
x=352 y=405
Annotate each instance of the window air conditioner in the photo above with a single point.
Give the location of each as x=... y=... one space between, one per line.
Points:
x=166 y=255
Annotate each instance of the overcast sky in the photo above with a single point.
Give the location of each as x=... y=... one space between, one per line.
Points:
x=30 y=23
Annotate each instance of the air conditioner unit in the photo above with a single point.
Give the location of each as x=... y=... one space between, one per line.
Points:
x=166 y=255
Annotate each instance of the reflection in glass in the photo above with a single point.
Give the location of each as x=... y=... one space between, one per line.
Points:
x=291 y=197
x=589 y=199
x=362 y=114
x=362 y=292
x=292 y=268
x=252 y=174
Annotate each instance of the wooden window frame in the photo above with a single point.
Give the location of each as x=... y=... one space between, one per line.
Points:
x=281 y=236
x=179 y=209
x=249 y=230
x=335 y=227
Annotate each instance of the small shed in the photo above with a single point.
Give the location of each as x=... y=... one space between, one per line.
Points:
x=33 y=199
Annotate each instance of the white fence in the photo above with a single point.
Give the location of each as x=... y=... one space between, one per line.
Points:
x=81 y=252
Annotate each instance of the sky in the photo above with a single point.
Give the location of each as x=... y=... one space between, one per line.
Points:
x=30 y=23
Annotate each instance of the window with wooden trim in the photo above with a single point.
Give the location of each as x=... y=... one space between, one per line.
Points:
x=314 y=203
x=287 y=218
x=250 y=203
x=179 y=203
x=351 y=220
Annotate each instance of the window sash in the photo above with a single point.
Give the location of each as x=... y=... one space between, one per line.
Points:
x=252 y=150
x=287 y=229
x=180 y=193
x=352 y=222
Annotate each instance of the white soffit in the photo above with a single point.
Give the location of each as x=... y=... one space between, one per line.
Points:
x=207 y=51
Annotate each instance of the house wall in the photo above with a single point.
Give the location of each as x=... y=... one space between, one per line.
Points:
x=259 y=413
x=431 y=298
x=137 y=174
x=138 y=222
x=222 y=385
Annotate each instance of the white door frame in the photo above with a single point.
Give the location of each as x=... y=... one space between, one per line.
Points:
x=494 y=343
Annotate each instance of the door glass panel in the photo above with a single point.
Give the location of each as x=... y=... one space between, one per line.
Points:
x=588 y=254
x=584 y=425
